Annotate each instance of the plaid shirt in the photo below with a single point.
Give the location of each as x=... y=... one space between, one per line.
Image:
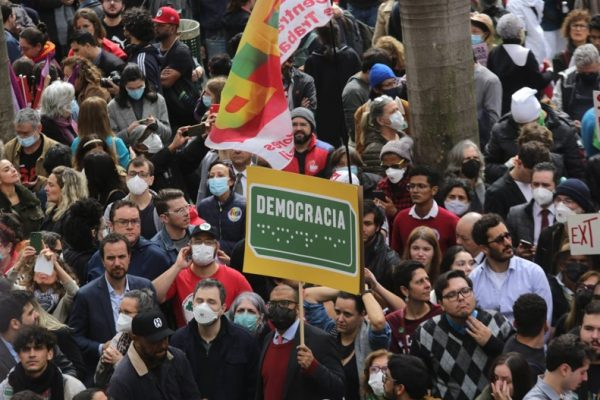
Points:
x=458 y=364
x=397 y=192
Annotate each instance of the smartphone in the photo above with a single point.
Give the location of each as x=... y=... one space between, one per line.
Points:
x=195 y=130
x=35 y=241
x=378 y=194
x=525 y=243
x=143 y=121
x=214 y=108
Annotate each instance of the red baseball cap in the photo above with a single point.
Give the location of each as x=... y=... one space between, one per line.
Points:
x=167 y=15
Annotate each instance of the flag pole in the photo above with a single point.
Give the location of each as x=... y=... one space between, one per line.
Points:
x=301 y=301
x=345 y=138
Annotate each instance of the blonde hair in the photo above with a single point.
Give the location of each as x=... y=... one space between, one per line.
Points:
x=73 y=187
x=368 y=361
x=394 y=47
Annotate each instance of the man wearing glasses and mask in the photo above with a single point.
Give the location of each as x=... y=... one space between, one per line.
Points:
x=457 y=345
x=502 y=277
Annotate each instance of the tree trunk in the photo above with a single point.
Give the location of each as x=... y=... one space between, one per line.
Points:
x=439 y=70
x=7 y=130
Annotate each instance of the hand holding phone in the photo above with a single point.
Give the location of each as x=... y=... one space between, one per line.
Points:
x=35 y=241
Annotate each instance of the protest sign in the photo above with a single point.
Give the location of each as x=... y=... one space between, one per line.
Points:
x=481 y=53
x=304 y=228
x=597 y=112
x=584 y=234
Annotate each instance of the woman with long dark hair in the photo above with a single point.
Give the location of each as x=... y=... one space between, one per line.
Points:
x=104 y=181
x=510 y=378
x=138 y=107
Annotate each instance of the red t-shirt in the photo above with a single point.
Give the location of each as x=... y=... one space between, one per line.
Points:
x=185 y=283
x=402 y=328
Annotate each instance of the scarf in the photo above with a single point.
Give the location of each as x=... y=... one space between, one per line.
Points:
x=66 y=126
x=51 y=381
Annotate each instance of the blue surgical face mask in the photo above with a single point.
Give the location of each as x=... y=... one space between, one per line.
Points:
x=74 y=110
x=28 y=141
x=246 y=320
x=476 y=39
x=218 y=185
x=206 y=100
x=136 y=94
x=353 y=169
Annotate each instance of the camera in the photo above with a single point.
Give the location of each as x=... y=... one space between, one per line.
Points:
x=114 y=77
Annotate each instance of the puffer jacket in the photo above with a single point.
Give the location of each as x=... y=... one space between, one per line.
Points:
x=503 y=144
x=229 y=218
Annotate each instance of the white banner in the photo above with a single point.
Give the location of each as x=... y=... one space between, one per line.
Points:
x=296 y=19
x=584 y=234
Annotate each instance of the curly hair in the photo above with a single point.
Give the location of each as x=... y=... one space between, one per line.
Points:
x=86 y=73
x=138 y=22
x=533 y=132
x=395 y=48
x=572 y=17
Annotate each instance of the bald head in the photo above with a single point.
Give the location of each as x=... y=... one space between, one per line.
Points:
x=464 y=232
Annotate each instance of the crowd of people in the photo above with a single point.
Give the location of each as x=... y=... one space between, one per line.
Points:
x=122 y=235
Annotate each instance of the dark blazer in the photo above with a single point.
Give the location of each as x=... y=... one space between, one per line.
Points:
x=326 y=381
x=92 y=319
x=6 y=361
x=502 y=195
x=519 y=222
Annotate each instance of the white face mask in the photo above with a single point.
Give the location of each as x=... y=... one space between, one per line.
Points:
x=204 y=315
x=124 y=323
x=457 y=207
x=395 y=175
x=137 y=185
x=203 y=254
x=563 y=212
x=397 y=122
x=153 y=143
x=542 y=196
x=376 y=383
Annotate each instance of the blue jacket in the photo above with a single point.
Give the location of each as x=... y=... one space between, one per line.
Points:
x=147 y=260
x=164 y=241
x=91 y=319
x=229 y=370
x=229 y=218
x=12 y=45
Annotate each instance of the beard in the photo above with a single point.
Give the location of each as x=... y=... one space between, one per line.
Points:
x=301 y=138
x=112 y=15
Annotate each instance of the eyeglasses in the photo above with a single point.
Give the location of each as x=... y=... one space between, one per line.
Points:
x=400 y=165
x=594 y=37
x=417 y=186
x=578 y=26
x=466 y=292
x=127 y=222
x=373 y=369
x=281 y=303
x=182 y=211
x=500 y=239
x=385 y=377
x=133 y=174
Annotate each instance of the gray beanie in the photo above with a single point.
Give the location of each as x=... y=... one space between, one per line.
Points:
x=306 y=114
x=402 y=148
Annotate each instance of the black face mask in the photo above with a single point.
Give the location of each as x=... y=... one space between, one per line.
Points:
x=588 y=78
x=282 y=318
x=583 y=296
x=574 y=270
x=471 y=168
x=393 y=92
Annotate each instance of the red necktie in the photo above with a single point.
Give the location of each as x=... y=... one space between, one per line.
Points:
x=545 y=221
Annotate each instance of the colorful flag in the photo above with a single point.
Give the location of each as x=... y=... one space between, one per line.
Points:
x=297 y=19
x=254 y=115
